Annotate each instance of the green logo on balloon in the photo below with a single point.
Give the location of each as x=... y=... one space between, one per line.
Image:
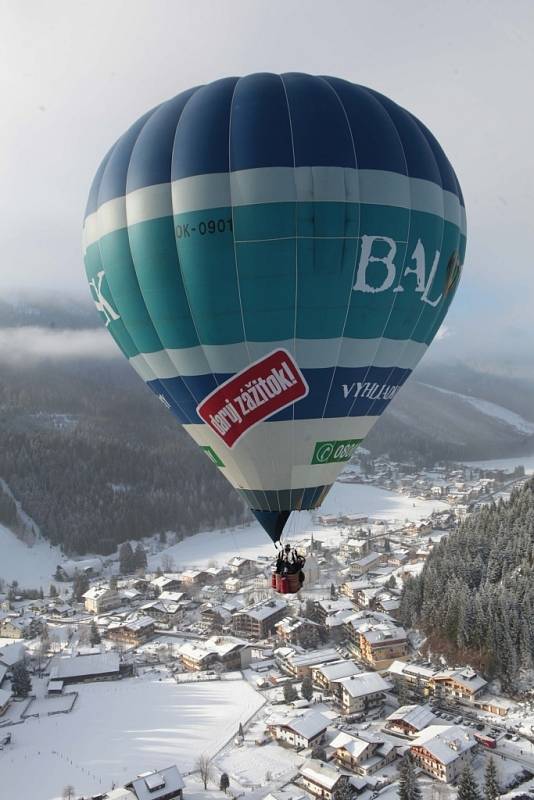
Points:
x=334 y=451
x=211 y=454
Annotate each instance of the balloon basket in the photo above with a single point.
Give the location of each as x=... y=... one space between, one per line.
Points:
x=286 y=584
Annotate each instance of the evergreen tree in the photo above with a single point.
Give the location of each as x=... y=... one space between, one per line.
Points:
x=52 y=591
x=224 y=782
x=80 y=585
x=333 y=593
x=94 y=635
x=343 y=789
x=139 y=557
x=290 y=693
x=306 y=688
x=21 y=683
x=126 y=559
x=58 y=575
x=113 y=583
x=491 y=786
x=241 y=732
x=467 y=786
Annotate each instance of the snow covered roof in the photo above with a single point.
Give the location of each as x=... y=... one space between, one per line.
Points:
x=445 y=742
x=339 y=670
x=364 y=683
x=119 y=794
x=313 y=657
x=382 y=633
x=80 y=666
x=352 y=744
x=401 y=668
x=11 y=654
x=418 y=717
x=152 y=785
x=5 y=695
x=465 y=677
x=95 y=592
x=318 y=772
x=307 y=725
x=265 y=609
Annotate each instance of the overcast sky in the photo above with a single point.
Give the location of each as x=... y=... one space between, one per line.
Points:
x=74 y=75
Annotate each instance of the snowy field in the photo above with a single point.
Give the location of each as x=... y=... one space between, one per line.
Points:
x=506 y=463
x=33 y=566
x=118 y=729
x=251 y=540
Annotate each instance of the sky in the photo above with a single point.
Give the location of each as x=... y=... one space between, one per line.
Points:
x=75 y=75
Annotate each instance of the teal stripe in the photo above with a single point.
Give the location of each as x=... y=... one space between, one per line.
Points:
x=325 y=254
x=117 y=328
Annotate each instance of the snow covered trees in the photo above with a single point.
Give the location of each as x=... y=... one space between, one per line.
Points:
x=204 y=768
x=306 y=688
x=408 y=786
x=476 y=590
x=467 y=786
x=491 y=786
x=21 y=683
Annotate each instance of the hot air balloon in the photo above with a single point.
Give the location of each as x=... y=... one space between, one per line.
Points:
x=273 y=254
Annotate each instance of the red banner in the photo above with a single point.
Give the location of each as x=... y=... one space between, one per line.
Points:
x=257 y=392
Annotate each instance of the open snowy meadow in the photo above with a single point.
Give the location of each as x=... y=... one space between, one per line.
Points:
x=119 y=729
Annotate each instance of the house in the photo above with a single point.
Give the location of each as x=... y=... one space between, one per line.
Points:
x=5 y=700
x=258 y=621
x=24 y=627
x=166 y=583
x=363 y=565
x=410 y=720
x=101 y=598
x=364 y=754
x=327 y=676
x=226 y=651
x=381 y=644
x=166 y=784
x=350 y=589
x=327 y=608
x=119 y=794
x=298 y=630
x=461 y=684
x=299 y=664
x=242 y=567
x=414 y=678
x=94 y=667
x=11 y=654
x=362 y=692
x=305 y=730
x=321 y=780
x=215 y=616
x=195 y=578
x=133 y=632
x=164 y=612
x=87 y=566
x=442 y=751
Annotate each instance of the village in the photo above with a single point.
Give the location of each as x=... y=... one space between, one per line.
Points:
x=209 y=684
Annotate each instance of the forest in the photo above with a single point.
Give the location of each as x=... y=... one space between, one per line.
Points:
x=474 y=598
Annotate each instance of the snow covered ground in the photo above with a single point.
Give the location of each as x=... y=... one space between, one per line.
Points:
x=251 y=540
x=492 y=410
x=119 y=729
x=506 y=463
x=30 y=566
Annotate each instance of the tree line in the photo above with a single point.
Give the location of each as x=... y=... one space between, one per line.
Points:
x=475 y=594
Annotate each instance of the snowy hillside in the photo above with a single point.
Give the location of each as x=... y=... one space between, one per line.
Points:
x=32 y=566
x=493 y=410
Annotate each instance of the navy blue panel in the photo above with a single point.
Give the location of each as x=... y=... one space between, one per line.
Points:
x=321 y=134
x=151 y=157
x=420 y=160
x=113 y=182
x=272 y=522
x=261 y=133
x=92 y=201
x=448 y=177
x=354 y=392
x=201 y=143
x=375 y=137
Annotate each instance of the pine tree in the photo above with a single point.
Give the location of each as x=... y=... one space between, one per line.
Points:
x=139 y=557
x=306 y=688
x=52 y=591
x=241 y=732
x=491 y=786
x=94 y=635
x=467 y=786
x=224 y=782
x=21 y=683
x=126 y=559
x=80 y=585
x=333 y=593
x=113 y=583
x=290 y=693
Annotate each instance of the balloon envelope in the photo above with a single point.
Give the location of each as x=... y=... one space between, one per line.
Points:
x=274 y=254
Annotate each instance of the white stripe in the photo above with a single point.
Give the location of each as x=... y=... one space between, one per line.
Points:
x=267 y=458
x=309 y=353
x=152 y=202
x=276 y=185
